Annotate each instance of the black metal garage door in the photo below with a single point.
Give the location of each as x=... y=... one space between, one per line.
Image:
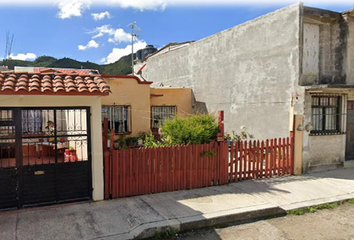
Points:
x=44 y=156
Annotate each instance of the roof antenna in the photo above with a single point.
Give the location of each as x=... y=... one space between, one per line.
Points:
x=134 y=29
x=8 y=45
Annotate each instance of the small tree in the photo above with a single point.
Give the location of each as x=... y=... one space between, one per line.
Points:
x=195 y=129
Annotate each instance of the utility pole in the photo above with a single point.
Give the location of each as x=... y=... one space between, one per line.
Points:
x=134 y=28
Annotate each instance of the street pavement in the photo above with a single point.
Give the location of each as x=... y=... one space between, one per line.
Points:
x=328 y=224
x=145 y=216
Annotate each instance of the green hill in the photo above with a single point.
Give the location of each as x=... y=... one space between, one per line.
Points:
x=120 y=67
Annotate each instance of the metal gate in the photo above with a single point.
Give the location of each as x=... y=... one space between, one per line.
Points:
x=44 y=156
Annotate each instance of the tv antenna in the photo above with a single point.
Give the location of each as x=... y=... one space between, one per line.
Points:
x=134 y=29
x=8 y=45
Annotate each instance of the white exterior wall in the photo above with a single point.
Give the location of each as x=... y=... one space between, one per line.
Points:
x=250 y=71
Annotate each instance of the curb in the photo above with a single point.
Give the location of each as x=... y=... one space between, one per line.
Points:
x=208 y=220
x=235 y=216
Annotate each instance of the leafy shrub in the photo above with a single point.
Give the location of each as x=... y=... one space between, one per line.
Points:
x=195 y=129
x=150 y=141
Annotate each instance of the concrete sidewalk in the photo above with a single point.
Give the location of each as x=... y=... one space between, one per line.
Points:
x=142 y=216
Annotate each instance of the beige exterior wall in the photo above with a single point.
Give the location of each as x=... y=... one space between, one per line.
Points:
x=179 y=97
x=128 y=91
x=140 y=97
x=94 y=102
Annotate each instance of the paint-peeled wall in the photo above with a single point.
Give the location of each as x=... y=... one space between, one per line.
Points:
x=311 y=51
x=324 y=152
x=250 y=71
x=350 y=49
x=325 y=47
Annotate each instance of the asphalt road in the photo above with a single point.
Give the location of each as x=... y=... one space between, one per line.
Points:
x=328 y=224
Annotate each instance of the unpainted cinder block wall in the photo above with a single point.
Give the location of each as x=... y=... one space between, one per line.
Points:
x=250 y=71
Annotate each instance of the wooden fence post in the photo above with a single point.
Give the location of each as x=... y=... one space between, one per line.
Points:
x=221 y=125
x=105 y=132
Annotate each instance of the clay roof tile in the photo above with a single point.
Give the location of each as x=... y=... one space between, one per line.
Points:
x=43 y=82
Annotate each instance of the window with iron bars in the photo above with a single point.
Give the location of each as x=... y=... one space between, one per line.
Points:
x=160 y=113
x=327 y=114
x=118 y=118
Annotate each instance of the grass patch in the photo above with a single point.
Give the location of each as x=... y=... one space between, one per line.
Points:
x=313 y=209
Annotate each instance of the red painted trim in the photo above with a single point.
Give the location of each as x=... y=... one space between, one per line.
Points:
x=127 y=76
x=141 y=68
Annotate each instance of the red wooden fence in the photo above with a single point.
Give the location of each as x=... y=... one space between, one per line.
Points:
x=260 y=159
x=132 y=172
x=151 y=170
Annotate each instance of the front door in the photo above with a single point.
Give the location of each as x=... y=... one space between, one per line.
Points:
x=349 y=147
x=44 y=156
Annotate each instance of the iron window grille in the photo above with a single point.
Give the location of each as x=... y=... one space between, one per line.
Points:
x=327 y=114
x=118 y=118
x=160 y=113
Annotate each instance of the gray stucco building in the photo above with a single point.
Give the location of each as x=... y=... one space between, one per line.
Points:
x=294 y=61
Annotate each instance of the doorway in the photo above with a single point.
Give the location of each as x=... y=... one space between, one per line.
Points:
x=44 y=156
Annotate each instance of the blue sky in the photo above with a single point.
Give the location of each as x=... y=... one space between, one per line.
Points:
x=58 y=29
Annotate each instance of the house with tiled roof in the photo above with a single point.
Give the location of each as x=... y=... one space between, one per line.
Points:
x=51 y=130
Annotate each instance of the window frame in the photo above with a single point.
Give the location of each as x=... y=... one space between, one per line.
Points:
x=129 y=118
x=335 y=127
x=160 y=106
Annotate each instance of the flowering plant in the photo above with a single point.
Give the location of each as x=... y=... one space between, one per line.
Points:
x=234 y=137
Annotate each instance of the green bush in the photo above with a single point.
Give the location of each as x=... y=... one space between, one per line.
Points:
x=195 y=129
x=150 y=141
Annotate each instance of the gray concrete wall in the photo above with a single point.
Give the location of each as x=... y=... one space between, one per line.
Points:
x=250 y=71
x=336 y=58
x=350 y=50
x=332 y=47
x=311 y=51
x=323 y=152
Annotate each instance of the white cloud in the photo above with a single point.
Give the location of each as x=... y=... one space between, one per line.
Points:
x=100 y=31
x=101 y=15
x=90 y=44
x=116 y=35
x=23 y=56
x=72 y=8
x=142 y=4
x=117 y=53
x=120 y=36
